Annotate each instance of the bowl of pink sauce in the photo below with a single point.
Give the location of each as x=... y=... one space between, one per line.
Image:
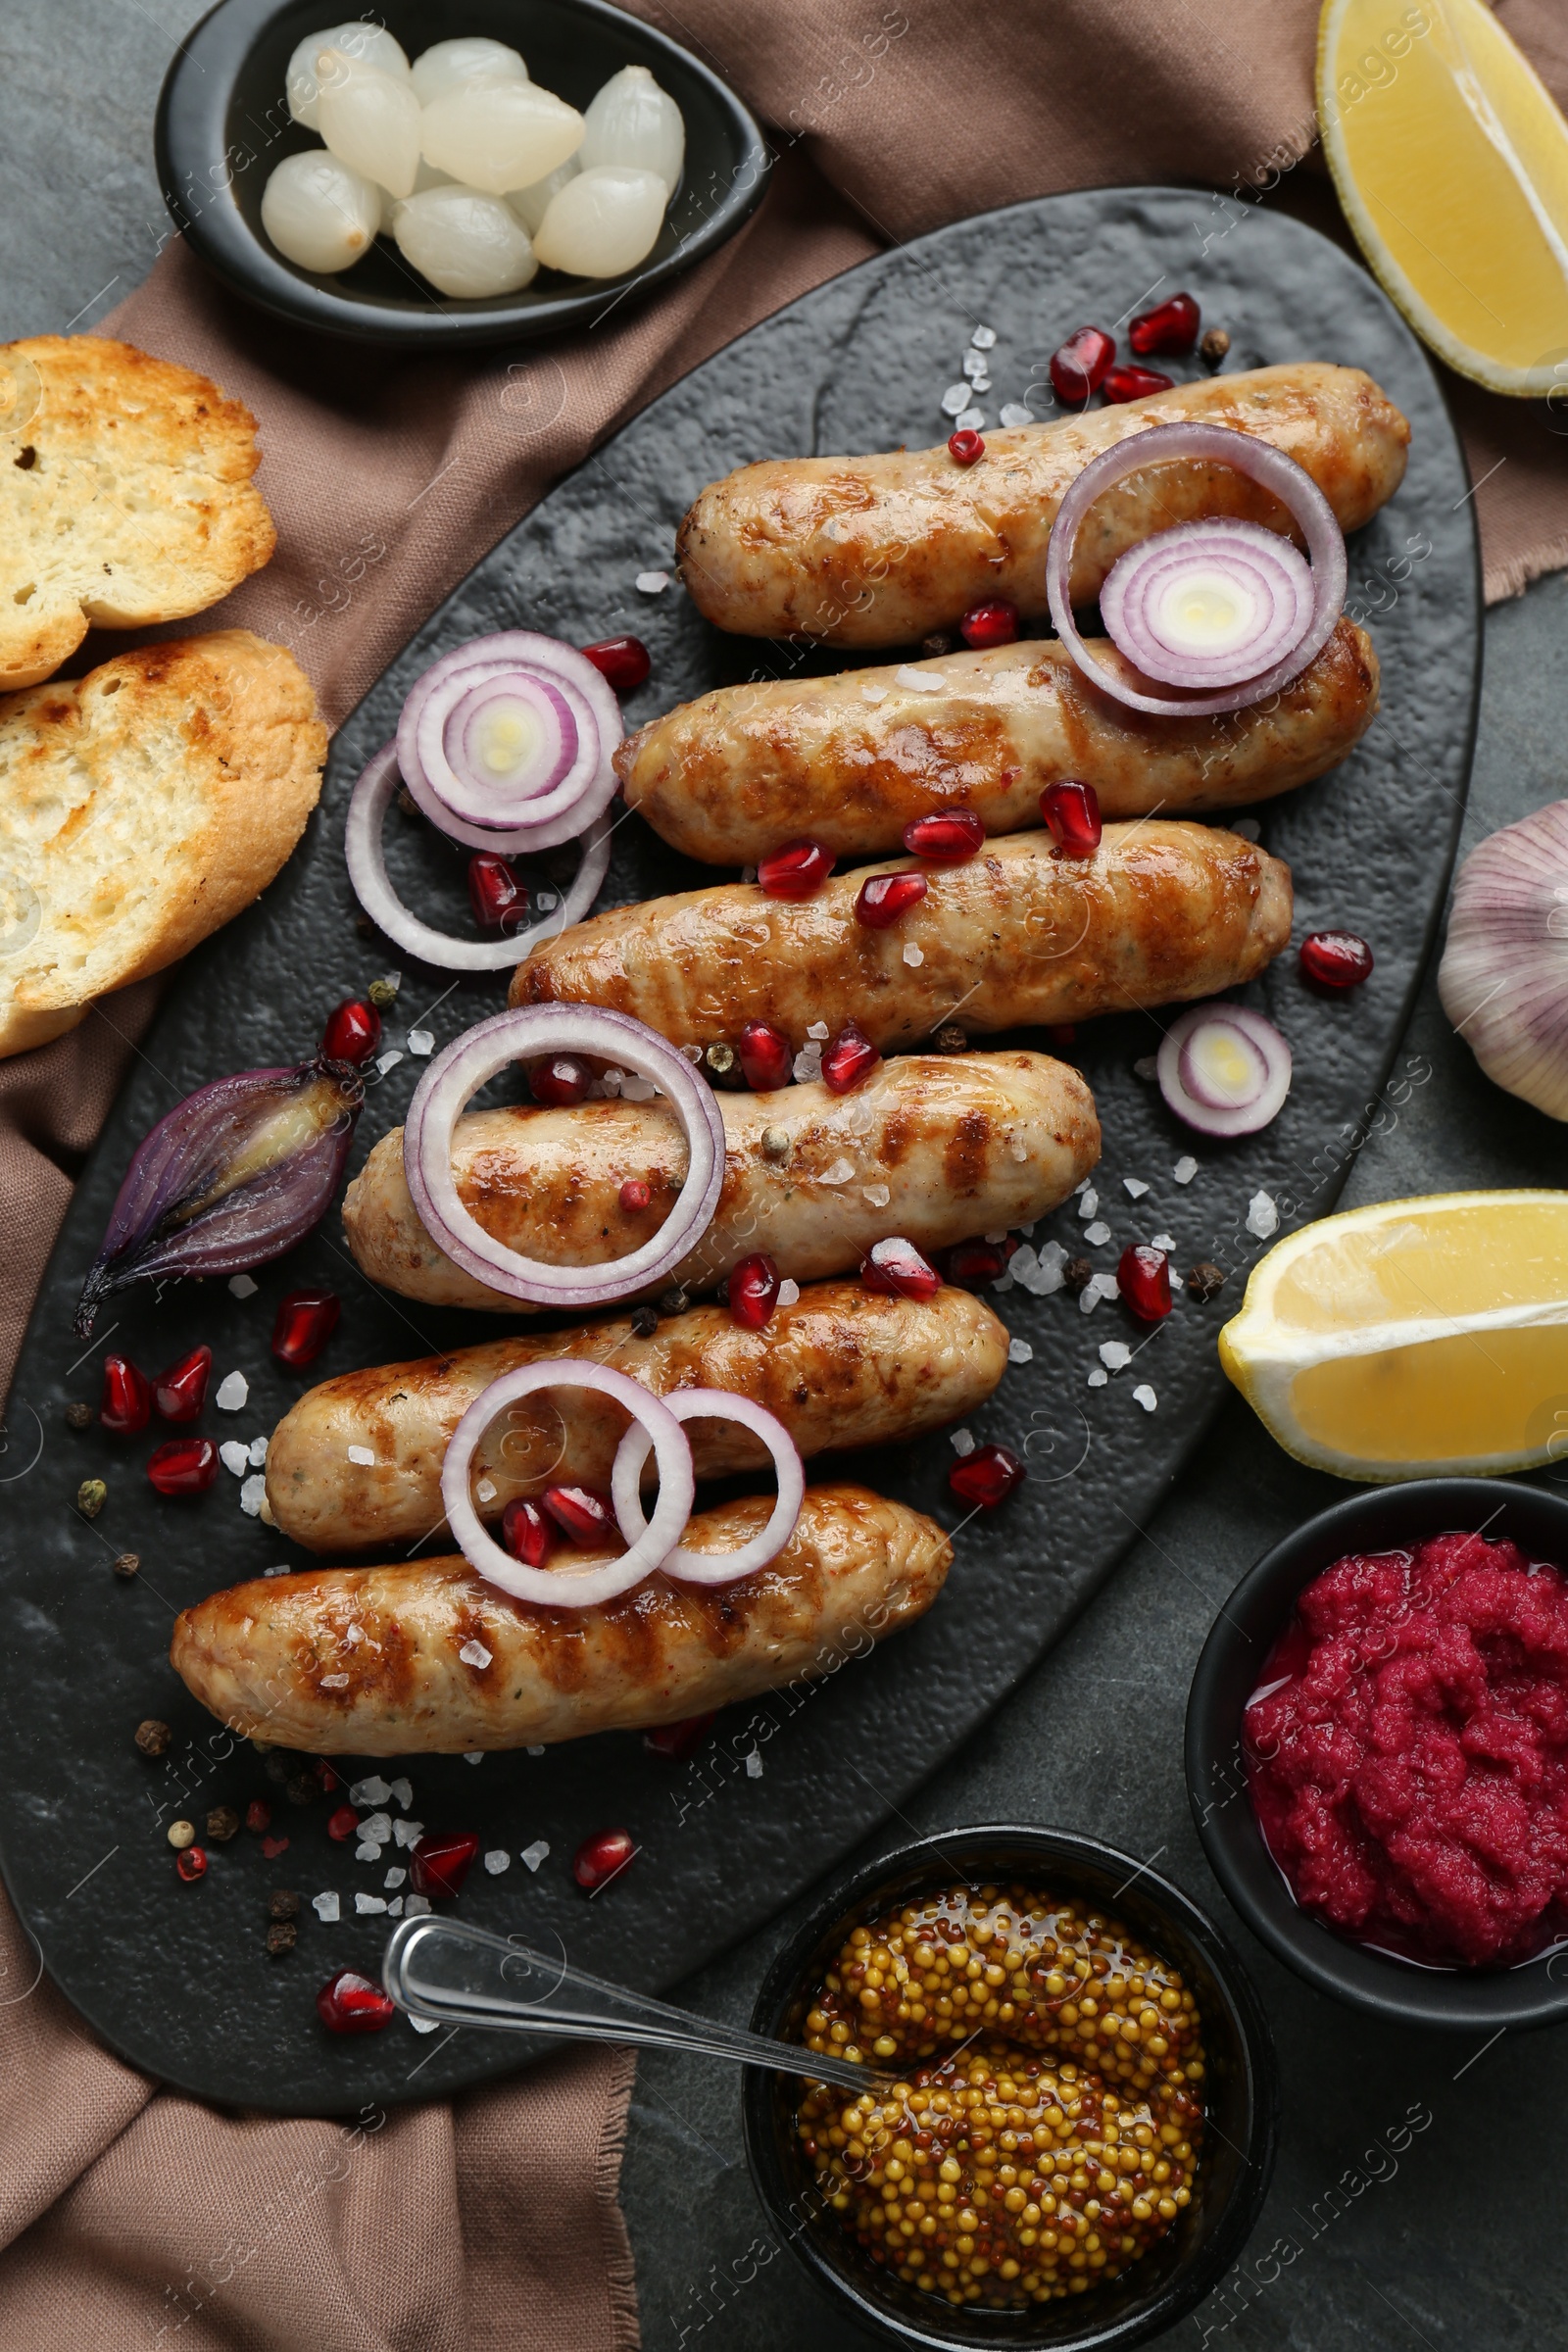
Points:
x=1377 y=1752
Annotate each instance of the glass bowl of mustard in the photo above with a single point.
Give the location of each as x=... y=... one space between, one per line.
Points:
x=1071 y=2111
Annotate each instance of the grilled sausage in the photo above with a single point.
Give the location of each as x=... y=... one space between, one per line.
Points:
x=843 y=1367
x=1160 y=913
x=274 y=1657
x=935 y=1147
x=879 y=550
x=851 y=760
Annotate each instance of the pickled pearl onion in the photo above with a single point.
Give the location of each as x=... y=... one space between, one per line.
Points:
x=1207 y=603
x=569 y=1589
x=720 y=1567
x=1223 y=1069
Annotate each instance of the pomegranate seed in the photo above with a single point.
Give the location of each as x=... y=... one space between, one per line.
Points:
x=192 y=1864
x=797 y=870
x=1079 y=367
x=767 y=1058
x=127 y=1400
x=184 y=1466
x=528 y=1534
x=986 y=1477
x=599 y=1859
x=1336 y=959
x=326 y=1775
x=947 y=837
x=625 y=661
x=342 y=1822
x=258 y=1814
x=677 y=1739
x=1143 y=1277
x=972 y=1262
x=274 y=1846
x=850 y=1058
x=896 y=1265
x=1171 y=326
x=965 y=447
x=583 y=1516
x=560 y=1081
x=306 y=1321
x=348 y=2003
x=1134 y=383
x=1072 y=811
x=995 y=622
x=634 y=1197
x=439 y=1866
x=352 y=1032
x=885 y=897
x=498 y=898
x=180 y=1393
x=753 y=1291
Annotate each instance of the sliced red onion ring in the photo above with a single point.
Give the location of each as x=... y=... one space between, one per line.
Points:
x=1224 y=1070
x=508 y=745
x=373 y=885
x=713 y=1567
x=527 y=1032
x=1261 y=463
x=569 y=1589
x=438 y=713
x=1234 y=587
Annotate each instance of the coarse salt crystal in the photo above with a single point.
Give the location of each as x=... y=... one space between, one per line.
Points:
x=486 y=1490
x=788 y=1294
x=406 y=1832
x=372 y=1791
x=546 y=902
x=1163 y=1240
x=1088 y=1202
x=919 y=681
x=970 y=420
x=821 y=1032
x=961 y=1440
x=1248 y=827
x=474 y=1755
x=1040 y=1275
x=1019 y=1351
x=258 y=1451
x=1005 y=1280
x=840 y=1172
x=1097 y=1234
x=232 y=1392
x=475 y=1653
x=1115 y=1354
x=984 y=338
x=1262 y=1218
x=363 y=1455
x=356 y=1633
x=536 y=1853
x=753 y=1766
x=693 y=1053
x=976 y=364
x=954 y=398
x=1135 y=1187
x=327 y=1907
x=637 y=1090
x=242 y=1286
x=394 y=1875
x=367 y=1853
x=808 y=1065
x=234 y=1456
x=388 y=1060
x=416 y=1905
x=421 y=2025
x=403 y=1791
x=376 y=1828
x=335 y=1681
x=422 y=1041
x=913 y=956
x=873 y=694
x=1017 y=1149
x=1098 y=1378
x=1145 y=1067
x=1015 y=414
x=653 y=583
x=369 y=1902
x=1186 y=1169
x=1098 y=1287
x=252 y=1494
x=748 y=874
x=1146 y=1396
x=496 y=1860
x=281 y=1568
x=394 y=1909
x=877 y=1194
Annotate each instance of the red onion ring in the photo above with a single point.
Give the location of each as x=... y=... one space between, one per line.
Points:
x=450 y=754
x=1207 y=1108
x=569 y=1589
x=522 y=655
x=1261 y=463
x=531 y=1030
x=713 y=1567
x=1263 y=565
x=373 y=885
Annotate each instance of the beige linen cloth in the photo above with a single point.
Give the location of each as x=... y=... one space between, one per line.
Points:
x=129 y=2216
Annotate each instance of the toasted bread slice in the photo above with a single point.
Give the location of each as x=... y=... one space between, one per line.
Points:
x=140 y=808
x=126 y=496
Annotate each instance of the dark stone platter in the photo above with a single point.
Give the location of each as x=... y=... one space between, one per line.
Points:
x=176 y=1978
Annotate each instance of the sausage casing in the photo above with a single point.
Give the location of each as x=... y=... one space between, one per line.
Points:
x=1160 y=913
x=273 y=1658
x=880 y=550
x=935 y=1147
x=850 y=760
x=841 y=1367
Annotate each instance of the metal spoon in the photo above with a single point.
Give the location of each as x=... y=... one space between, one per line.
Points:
x=463 y=1976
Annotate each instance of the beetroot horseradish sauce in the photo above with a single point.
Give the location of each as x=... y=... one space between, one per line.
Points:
x=1410 y=1771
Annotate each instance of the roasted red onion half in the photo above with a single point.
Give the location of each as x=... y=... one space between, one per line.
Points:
x=714 y=1567
x=373 y=885
x=507 y=743
x=1224 y=1070
x=230 y=1178
x=1252 y=618
x=531 y=1031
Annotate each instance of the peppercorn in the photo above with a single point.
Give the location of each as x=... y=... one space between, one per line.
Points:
x=645 y=1321
x=383 y=993
x=276 y=1767
x=1215 y=344
x=78 y=1415
x=1205 y=1281
x=674 y=1302
x=91 y=1495
x=258 y=1815
x=776 y=1143
x=933 y=648
x=950 y=1039
x=302 y=1789
x=1077 y=1273
x=126 y=1563
x=282 y=1936
x=153 y=1737
x=283 y=1903
x=180 y=1834
x=721 y=1064
x=222 y=1824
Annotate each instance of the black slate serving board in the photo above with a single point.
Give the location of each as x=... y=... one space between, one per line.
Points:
x=175 y=1977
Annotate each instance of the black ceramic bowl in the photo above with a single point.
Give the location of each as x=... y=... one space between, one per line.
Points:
x=1242 y=2099
x=223 y=123
x=1377 y=1519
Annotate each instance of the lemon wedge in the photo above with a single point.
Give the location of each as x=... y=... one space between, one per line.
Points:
x=1412 y=1338
x=1451 y=159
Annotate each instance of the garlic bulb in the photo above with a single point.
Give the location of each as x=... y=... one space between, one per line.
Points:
x=601 y=222
x=1504 y=979
x=498 y=136
x=531 y=204
x=319 y=213
x=450 y=64
x=369 y=119
x=464 y=241
x=372 y=43
x=633 y=122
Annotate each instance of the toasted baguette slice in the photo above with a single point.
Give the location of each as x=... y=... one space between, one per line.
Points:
x=140 y=808
x=126 y=496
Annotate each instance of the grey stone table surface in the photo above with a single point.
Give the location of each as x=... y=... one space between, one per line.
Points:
x=1453 y=2236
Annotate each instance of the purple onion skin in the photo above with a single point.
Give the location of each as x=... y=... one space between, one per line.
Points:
x=210 y=1190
